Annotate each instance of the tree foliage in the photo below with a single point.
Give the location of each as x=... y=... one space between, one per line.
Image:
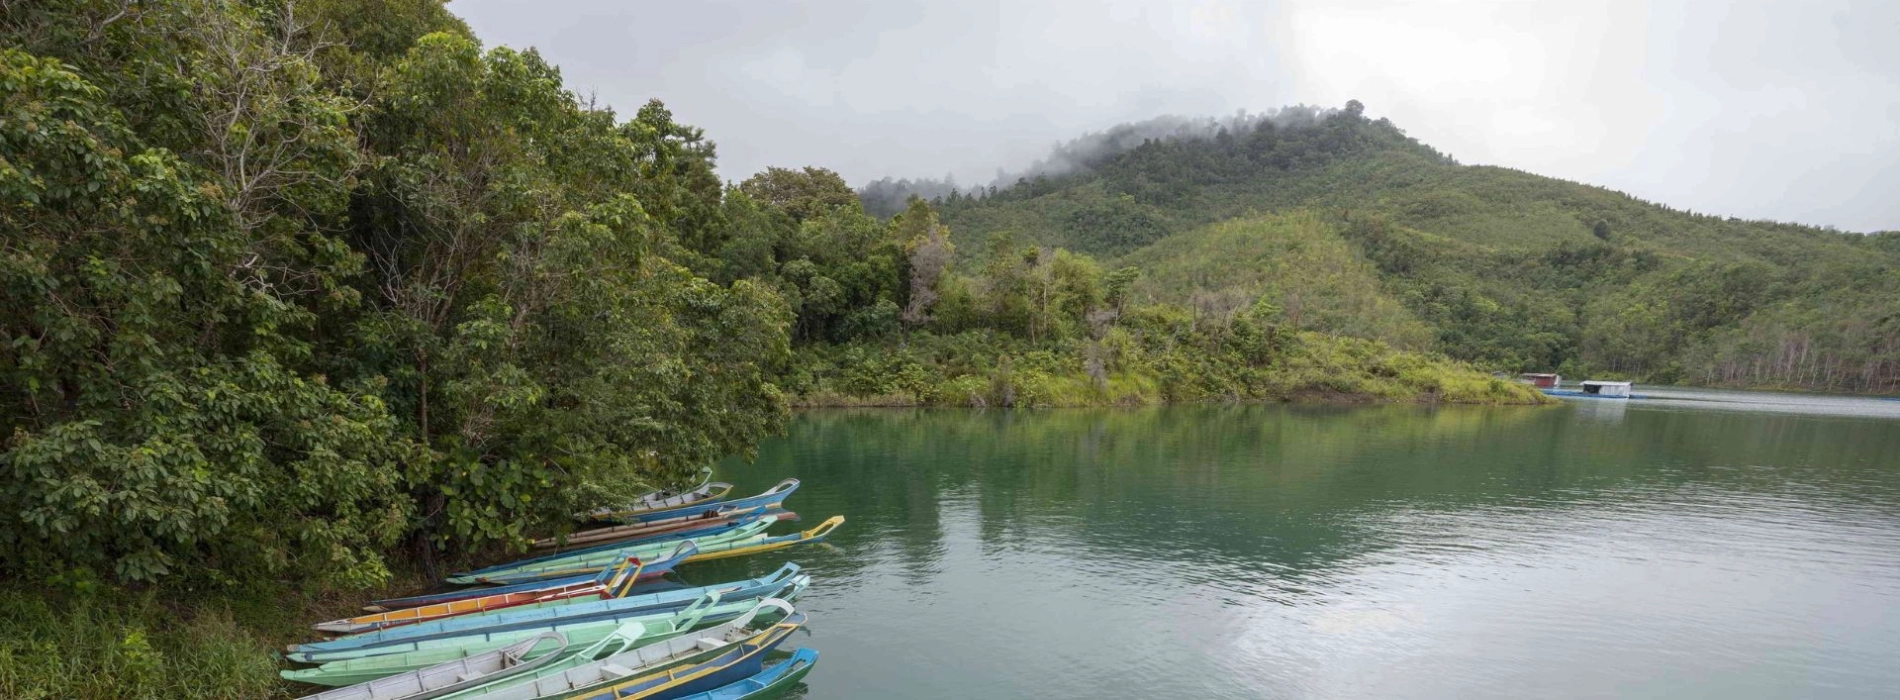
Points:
x=294 y=283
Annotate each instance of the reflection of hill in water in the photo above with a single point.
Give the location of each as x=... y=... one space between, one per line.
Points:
x=1285 y=490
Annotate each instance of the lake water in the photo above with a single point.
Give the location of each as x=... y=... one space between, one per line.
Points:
x=1694 y=544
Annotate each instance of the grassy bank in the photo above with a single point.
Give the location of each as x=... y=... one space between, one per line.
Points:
x=118 y=643
x=93 y=640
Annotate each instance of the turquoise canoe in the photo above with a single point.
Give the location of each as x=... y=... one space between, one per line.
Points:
x=593 y=561
x=757 y=543
x=365 y=668
x=386 y=659
x=666 y=603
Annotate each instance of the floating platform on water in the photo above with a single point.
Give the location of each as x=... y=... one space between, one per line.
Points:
x=1573 y=393
x=1596 y=389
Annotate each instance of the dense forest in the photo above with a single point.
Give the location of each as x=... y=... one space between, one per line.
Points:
x=1353 y=228
x=322 y=294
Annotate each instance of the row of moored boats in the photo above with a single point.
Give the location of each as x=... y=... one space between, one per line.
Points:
x=588 y=617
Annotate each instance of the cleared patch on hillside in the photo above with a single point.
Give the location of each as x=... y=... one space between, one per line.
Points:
x=1296 y=261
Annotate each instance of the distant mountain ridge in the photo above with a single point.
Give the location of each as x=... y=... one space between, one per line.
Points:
x=1497 y=266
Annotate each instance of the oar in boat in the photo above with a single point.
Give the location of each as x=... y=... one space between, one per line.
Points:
x=457 y=675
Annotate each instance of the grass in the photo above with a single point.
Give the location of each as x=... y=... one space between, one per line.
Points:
x=118 y=643
x=132 y=645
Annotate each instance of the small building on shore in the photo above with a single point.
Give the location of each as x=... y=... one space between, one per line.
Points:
x=1541 y=381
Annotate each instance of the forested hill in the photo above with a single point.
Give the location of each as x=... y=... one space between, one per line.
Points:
x=1352 y=227
x=298 y=288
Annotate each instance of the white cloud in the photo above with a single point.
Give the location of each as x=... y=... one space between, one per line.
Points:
x=1771 y=111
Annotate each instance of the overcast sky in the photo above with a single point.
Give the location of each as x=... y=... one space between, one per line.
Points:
x=1788 y=112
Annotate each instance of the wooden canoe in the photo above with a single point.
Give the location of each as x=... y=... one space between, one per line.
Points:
x=769 y=544
x=735 y=663
x=460 y=674
x=755 y=542
x=357 y=666
x=668 y=603
x=659 y=505
x=774 y=495
x=725 y=530
x=351 y=666
x=539 y=568
x=609 y=583
x=659 y=496
x=603 y=671
x=682 y=526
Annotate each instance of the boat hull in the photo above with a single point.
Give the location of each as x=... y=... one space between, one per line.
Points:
x=772 y=496
x=772 y=682
x=554 y=615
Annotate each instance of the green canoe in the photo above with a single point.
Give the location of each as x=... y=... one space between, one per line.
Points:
x=602 y=671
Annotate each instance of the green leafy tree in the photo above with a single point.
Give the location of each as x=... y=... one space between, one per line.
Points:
x=529 y=326
x=1119 y=285
x=157 y=420
x=804 y=194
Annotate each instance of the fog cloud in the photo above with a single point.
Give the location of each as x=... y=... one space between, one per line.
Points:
x=1788 y=112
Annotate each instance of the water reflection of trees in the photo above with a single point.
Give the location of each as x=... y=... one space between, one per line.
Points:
x=1287 y=491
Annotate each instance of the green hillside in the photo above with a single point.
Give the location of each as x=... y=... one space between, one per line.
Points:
x=1503 y=268
x=1297 y=262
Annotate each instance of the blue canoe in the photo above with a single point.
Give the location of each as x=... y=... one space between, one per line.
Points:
x=737 y=663
x=769 y=683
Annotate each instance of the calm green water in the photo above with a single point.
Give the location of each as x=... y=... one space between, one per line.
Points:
x=1698 y=544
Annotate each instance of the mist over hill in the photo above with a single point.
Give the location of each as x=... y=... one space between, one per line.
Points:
x=885 y=197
